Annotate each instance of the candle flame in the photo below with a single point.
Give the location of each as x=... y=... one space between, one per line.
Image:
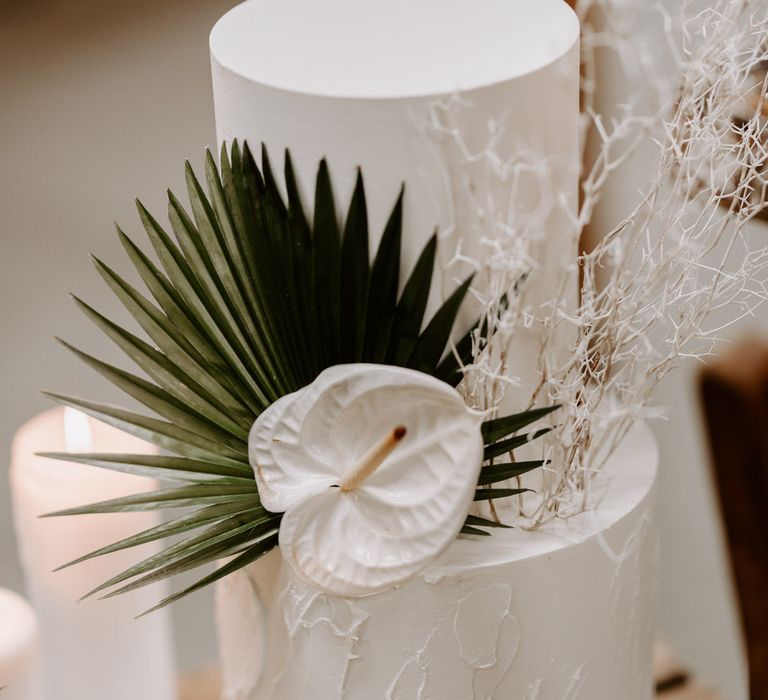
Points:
x=77 y=431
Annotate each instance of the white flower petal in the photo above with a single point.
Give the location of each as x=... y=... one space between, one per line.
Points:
x=399 y=519
x=280 y=484
x=351 y=544
x=286 y=471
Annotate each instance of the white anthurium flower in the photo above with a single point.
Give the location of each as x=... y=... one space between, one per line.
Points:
x=375 y=468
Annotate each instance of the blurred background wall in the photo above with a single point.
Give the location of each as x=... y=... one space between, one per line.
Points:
x=101 y=101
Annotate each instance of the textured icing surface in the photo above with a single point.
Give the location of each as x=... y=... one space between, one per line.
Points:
x=477 y=642
x=561 y=614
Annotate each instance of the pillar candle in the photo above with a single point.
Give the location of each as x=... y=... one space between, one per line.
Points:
x=19 y=649
x=93 y=649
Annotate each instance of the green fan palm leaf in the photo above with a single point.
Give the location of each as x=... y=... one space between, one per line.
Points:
x=167 y=467
x=251 y=301
x=192 y=521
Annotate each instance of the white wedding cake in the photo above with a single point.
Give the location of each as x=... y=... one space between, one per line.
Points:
x=562 y=613
x=410 y=91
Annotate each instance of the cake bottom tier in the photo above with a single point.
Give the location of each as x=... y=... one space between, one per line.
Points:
x=562 y=613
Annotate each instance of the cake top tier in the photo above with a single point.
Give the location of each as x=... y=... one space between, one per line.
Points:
x=391 y=48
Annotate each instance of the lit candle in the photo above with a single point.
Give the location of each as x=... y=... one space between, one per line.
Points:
x=19 y=653
x=93 y=649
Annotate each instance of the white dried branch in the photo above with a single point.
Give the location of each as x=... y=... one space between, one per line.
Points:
x=664 y=284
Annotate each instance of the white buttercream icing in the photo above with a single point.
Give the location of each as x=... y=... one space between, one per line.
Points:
x=563 y=613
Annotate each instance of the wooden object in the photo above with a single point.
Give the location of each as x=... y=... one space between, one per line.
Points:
x=734 y=391
x=200 y=685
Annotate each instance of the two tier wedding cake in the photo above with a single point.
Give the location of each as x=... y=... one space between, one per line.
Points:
x=410 y=93
x=398 y=411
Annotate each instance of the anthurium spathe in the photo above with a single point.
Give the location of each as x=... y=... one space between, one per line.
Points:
x=375 y=468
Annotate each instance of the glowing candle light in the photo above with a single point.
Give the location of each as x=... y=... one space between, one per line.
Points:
x=92 y=649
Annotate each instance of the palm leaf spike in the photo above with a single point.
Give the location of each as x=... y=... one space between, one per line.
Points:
x=430 y=345
x=297 y=245
x=231 y=259
x=217 y=296
x=240 y=232
x=182 y=330
x=496 y=436
x=304 y=264
x=251 y=302
x=283 y=276
x=385 y=276
x=182 y=283
x=355 y=273
x=177 y=356
x=327 y=261
x=167 y=467
x=498 y=428
x=263 y=241
x=409 y=315
x=210 y=241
